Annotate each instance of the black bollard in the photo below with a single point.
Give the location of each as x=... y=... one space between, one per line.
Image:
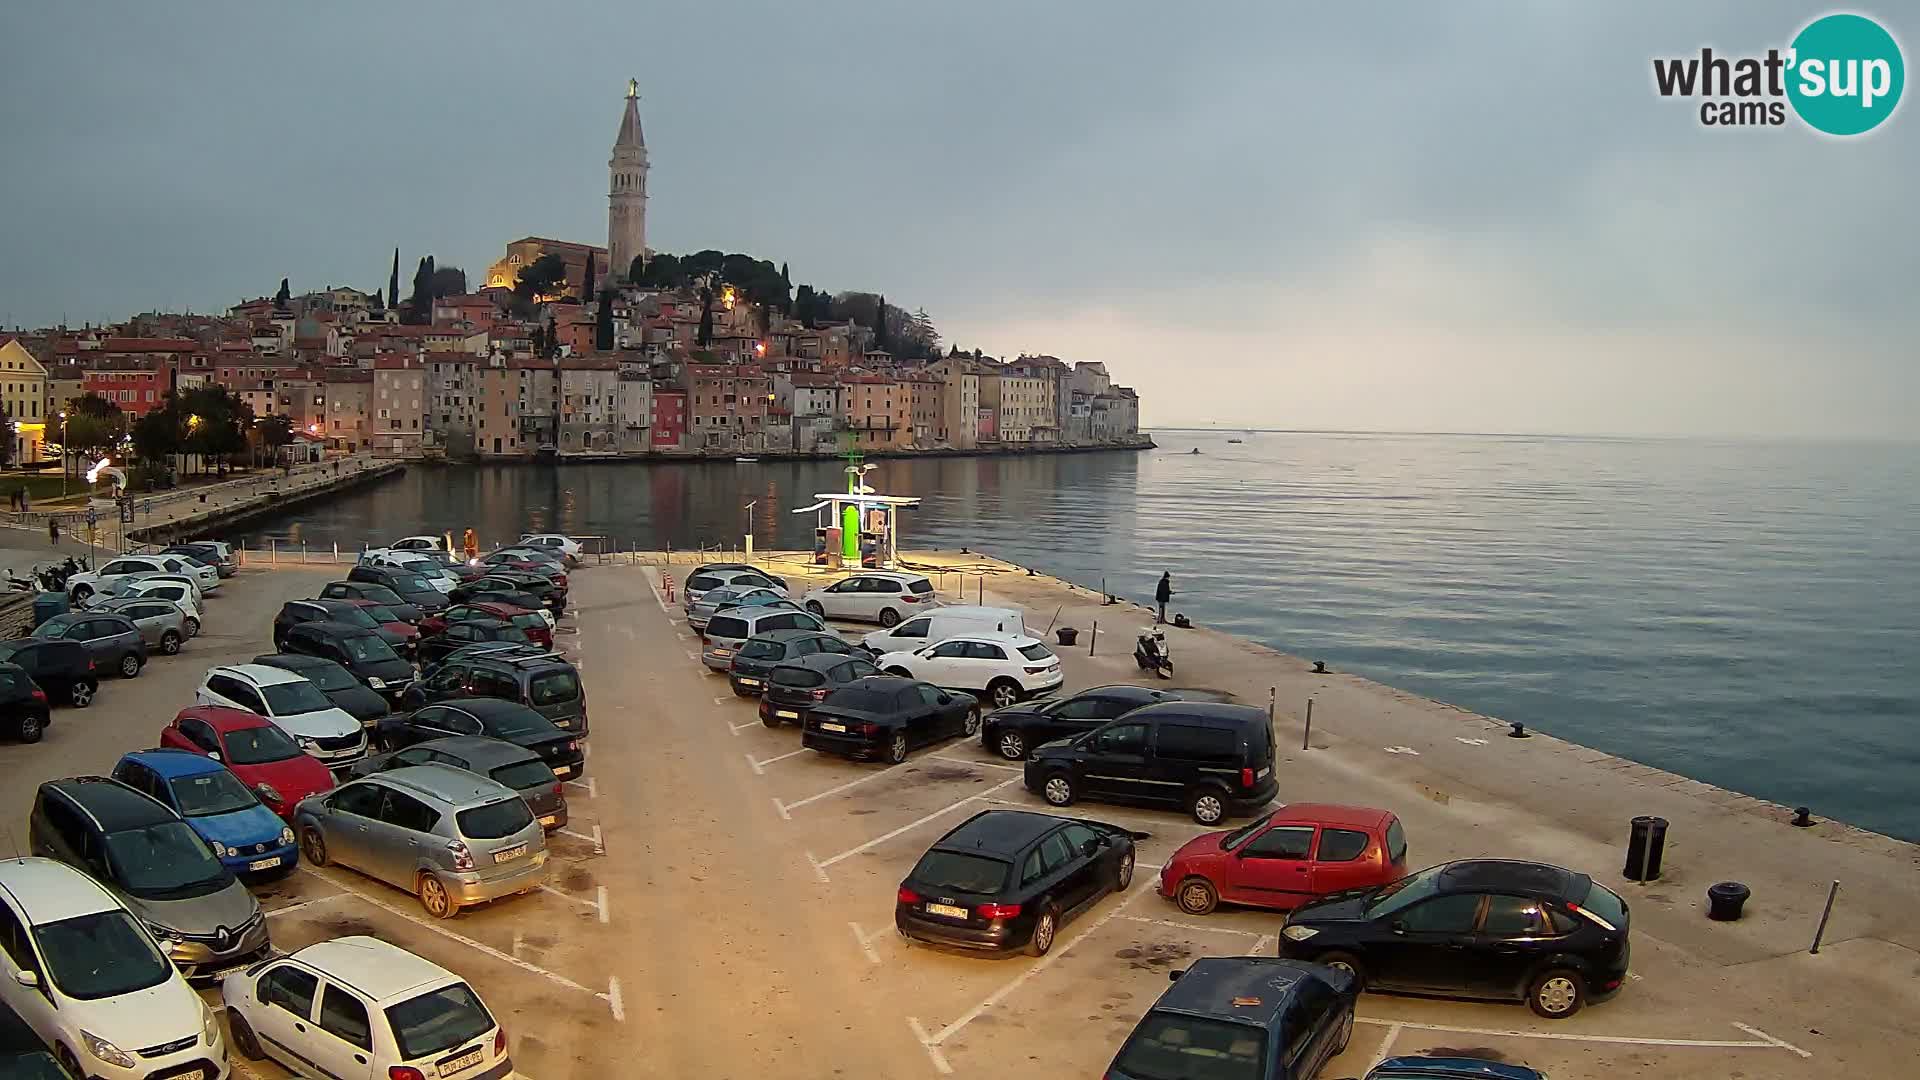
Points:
x=1802 y=817
x=1518 y=731
x=1646 y=841
x=1319 y=667
x=1725 y=899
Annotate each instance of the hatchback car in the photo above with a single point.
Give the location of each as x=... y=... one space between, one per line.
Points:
x=883 y=717
x=112 y=641
x=246 y=836
x=156 y=865
x=212 y=553
x=509 y=721
x=727 y=631
x=411 y=587
x=336 y=682
x=24 y=714
x=64 y=669
x=756 y=658
x=796 y=686
x=550 y=598
x=730 y=596
x=368 y=590
x=502 y=762
x=881 y=596
x=722 y=575
x=539 y=679
x=157 y=587
x=466 y=632
x=1293 y=855
x=1211 y=759
x=364 y=653
x=1246 y=1017
x=84 y=584
x=1013 y=731
x=358 y=1006
x=446 y=835
x=1001 y=671
x=263 y=756
x=354 y=613
x=531 y=622
x=1481 y=928
x=89 y=981
x=1006 y=880
x=323 y=729
x=564 y=546
x=162 y=623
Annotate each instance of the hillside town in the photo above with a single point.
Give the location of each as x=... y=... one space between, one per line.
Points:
x=572 y=350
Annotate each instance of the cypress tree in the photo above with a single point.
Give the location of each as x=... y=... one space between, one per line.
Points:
x=586 y=290
x=393 y=280
x=880 y=323
x=603 y=321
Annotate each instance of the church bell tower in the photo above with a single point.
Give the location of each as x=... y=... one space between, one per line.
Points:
x=627 y=191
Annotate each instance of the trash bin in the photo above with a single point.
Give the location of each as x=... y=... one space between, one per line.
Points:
x=1725 y=900
x=1645 y=842
x=48 y=604
x=1066 y=635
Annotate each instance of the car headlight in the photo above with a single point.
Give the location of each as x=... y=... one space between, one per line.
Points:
x=106 y=1051
x=305 y=743
x=376 y=682
x=286 y=836
x=268 y=792
x=1299 y=933
x=209 y=1027
x=220 y=850
x=167 y=935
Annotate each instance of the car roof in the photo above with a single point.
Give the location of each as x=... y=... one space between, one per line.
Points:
x=1018 y=641
x=46 y=891
x=1201 y=710
x=1364 y=817
x=793 y=633
x=334 y=629
x=457 y=787
x=481 y=706
x=112 y=804
x=999 y=832
x=819 y=661
x=172 y=762
x=293 y=661
x=1495 y=875
x=480 y=620
x=1451 y=1068
x=896 y=575
x=260 y=674
x=479 y=749
x=511 y=658
x=1241 y=989
x=224 y=718
x=380 y=970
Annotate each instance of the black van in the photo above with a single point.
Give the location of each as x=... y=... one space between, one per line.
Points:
x=361 y=651
x=1211 y=759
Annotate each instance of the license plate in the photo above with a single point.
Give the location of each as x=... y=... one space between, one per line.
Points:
x=562 y=770
x=550 y=819
x=264 y=864
x=563 y=723
x=465 y=1061
x=789 y=714
x=749 y=682
x=833 y=727
x=948 y=910
x=192 y=1074
x=509 y=855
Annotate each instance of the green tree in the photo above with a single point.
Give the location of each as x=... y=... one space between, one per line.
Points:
x=586 y=287
x=603 y=323
x=393 y=280
x=94 y=425
x=786 y=291
x=546 y=277
x=159 y=434
x=6 y=437
x=449 y=281
x=281 y=298
x=274 y=433
x=706 y=316
x=422 y=285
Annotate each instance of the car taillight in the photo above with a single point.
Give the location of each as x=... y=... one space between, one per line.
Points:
x=89 y=663
x=573 y=744
x=869 y=729
x=907 y=896
x=818 y=695
x=1246 y=777
x=404 y=1072
x=499 y=1041
x=997 y=911
x=560 y=580
x=39 y=694
x=559 y=787
x=462 y=858
x=1031 y=670
x=911 y=598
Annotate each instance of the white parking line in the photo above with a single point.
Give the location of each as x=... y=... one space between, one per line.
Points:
x=909 y=826
x=723 y=700
x=759 y=766
x=1190 y=927
x=304 y=903
x=599 y=848
x=1758 y=1034
x=695 y=657
x=1386 y=1046
x=612 y=998
x=982 y=764
x=1263 y=943
x=786 y=807
x=872 y=957
x=1764 y=1042
x=738 y=728
x=592 y=791
x=932 y=1048
x=598 y=903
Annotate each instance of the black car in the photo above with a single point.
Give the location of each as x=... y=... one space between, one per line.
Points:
x=796 y=686
x=1006 y=880
x=496 y=592
x=364 y=653
x=540 y=679
x=1246 y=1017
x=548 y=597
x=1481 y=928
x=23 y=705
x=411 y=587
x=884 y=716
x=64 y=669
x=374 y=591
x=508 y=721
x=349 y=612
x=466 y=632
x=1210 y=758
x=22 y=1055
x=756 y=659
x=336 y=682
x=1016 y=729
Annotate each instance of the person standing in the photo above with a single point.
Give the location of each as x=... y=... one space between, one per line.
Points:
x=1161 y=594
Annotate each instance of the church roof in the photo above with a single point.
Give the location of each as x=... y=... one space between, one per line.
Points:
x=630 y=133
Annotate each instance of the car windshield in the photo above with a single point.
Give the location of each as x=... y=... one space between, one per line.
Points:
x=101 y=955
x=355 y=615
x=1174 y=1046
x=379 y=594
x=1239 y=836
x=1036 y=651
x=327 y=675
x=1607 y=904
x=411 y=582
x=53 y=628
x=1411 y=889
x=518 y=721
x=763 y=650
x=291 y=698
x=496 y=820
x=381 y=613
x=861 y=700
x=218 y=792
x=522 y=775
x=961 y=872
x=509 y=632
x=7 y=651
x=797 y=676
x=552 y=687
x=438 y=1020
x=722 y=596
x=728 y=626
x=368 y=649
x=527 y=620
x=167 y=861
x=260 y=745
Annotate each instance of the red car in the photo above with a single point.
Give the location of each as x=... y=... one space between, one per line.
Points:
x=531 y=622
x=1295 y=854
x=388 y=620
x=264 y=757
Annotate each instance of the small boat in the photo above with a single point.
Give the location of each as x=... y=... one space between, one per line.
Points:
x=1236 y=440
x=1196 y=450
x=745 y=460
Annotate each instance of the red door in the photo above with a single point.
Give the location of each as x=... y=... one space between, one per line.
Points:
x=1347 y=859
x=1272 y=869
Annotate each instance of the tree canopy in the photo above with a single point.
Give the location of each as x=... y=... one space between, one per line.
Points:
x=547 y=276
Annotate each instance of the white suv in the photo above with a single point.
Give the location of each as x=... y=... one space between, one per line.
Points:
x=881 y=596
x=82 y=585
x=357 y=1005
x=87 y=978
x=998 y=670
x=295 y=705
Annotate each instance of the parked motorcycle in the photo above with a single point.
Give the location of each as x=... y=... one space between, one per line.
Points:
x=1152 y=654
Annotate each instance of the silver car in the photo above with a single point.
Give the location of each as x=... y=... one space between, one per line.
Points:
x=728 y=630
x=727 y=596
x=163 y=626
x=703 y=581
x=446 y=835
x=502 y=762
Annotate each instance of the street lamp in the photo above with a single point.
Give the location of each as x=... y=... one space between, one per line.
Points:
x=66 y=453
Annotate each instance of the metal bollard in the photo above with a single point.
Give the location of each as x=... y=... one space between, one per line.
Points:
x=1821 y=930
x=1093 y=637
x=1306 y=735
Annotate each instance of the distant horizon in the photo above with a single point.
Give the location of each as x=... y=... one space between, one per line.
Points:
x=1232 y=429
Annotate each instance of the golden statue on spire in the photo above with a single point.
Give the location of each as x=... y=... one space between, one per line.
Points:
x=633 y=88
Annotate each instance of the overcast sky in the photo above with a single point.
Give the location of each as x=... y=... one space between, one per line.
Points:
x=1461 y=217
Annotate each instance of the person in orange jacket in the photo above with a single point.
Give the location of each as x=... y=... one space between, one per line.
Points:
x=472 y=545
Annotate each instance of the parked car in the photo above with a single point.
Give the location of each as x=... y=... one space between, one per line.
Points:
x=359 y=1006
x=379 y=594
x=1242 y=1016
x=756 y=658
x=246 y=836
x=202 y=917
x=428 y=565
x=552 y=590
x=23 y=1056
x=411 y=587
x=531 y=622
x=364 y=653
x=321 y=728
x=336 y=682
x=355 y=613
x=1006 y=880
x=394 y=630
x=111 y=640
x=1210 y=758
x=999 y=671
x=87 y=582
x=162 y=623
x=447 y=836
x=497 y=592
x=1015 y=730
x=466 y=632
x=714 y=567
x=64 y=669
x=882 y=596
x=796 y=686
x=537 y=563
x=726 y=575
x=255 y=749
x=191 y=582
x=203 y=567
x=502 y=762
x=420 y=543
x=1423 y=1067
x=565 y=546
x=727 y=632
x=1296 y=854
x=24 y=713
x=159 y=587
x=507 y=721
x=884 y=717
x=210 y=553
x=944 y=622
x=523 y=555
x=98 y=1016
x=545 y=595
x=541 y=680
x=1479 y=928
x=727 y=596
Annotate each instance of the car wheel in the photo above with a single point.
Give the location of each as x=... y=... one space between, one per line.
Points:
x=80 y=594
x=889 y=618
x=1012 y=746
x=1003 y=692
x=69 y=1062
x=1058 y=790
x=1043 y=930
x=1197 y=896
x=814 y=609
x=1124 y=877
x=900 y=672
x=770 y=720
x=81 y=694
x=1347 y=962
x=243 y=1038
x=313 y=846
x=897 y=747
x=129 y=666
x=29 y=729
x=1557 y=994
x=170 y=642
x=1207 y=805
x=435 y=898
x=193 y=626
x=1346 y=1034
x=970 y=727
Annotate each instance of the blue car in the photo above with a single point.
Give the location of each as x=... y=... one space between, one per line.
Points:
x=1451 y=1068
x=249 y=839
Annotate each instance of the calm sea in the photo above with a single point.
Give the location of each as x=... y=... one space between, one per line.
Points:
x=1744 y=613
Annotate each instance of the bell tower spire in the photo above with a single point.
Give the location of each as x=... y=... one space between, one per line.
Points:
x=627 y=190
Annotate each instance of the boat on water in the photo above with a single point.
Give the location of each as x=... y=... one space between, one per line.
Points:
x=1236 y=440
x=745 y=460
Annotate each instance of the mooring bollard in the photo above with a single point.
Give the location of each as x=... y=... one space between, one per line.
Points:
x=1093 y=636
x=1306 y=736
x=1821 y=930
x=1646 y=842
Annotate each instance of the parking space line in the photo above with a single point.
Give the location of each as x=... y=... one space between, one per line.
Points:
x=612 y=998
x=1263 y=943
x=982 y=764
x=592 y=791
x=598 y=903
x=738 y=728
x=1190 y=927
x=787 y=807
x=1758 y=1034
x=1386 y=1046
x=304 y=903
x=723 y=700
x=911 y=825
x=1765 y=1042
x=599 y=848
x=818 y=870
x=759 y=767
x=695 y=657
x=932 y=1048
x=865 y=946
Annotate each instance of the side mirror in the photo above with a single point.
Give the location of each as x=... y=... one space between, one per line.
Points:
x=28 y=979
x=1090 y=848
x=1174 y=976
x=214 y=754
x=1398 y=926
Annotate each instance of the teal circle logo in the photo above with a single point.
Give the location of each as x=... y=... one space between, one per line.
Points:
x=1846 y=74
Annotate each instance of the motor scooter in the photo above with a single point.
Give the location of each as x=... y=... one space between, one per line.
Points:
x=1152 y=654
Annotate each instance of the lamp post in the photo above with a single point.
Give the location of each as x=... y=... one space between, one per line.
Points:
x=66 y=453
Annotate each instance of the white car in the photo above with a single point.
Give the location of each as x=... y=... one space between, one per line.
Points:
x=85 y=584
x=427 y=564
x=701 y=582
x=882 y=596
x=948 y=620
x=355 y=1006
x=563 y=545
x=1000 y=671
x=296 y=706
x=89 y=980
x=159 y=586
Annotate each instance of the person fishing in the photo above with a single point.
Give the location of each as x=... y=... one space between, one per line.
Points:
x=1161 y=594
